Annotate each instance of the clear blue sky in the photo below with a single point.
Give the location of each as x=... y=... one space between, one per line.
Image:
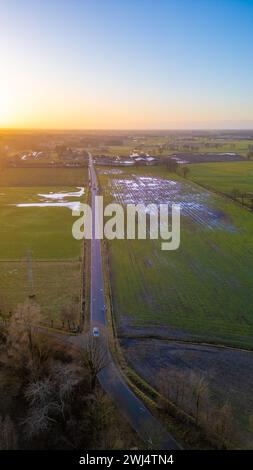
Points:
x=126 y=64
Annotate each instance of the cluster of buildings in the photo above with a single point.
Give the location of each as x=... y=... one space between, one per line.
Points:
x=60 y=156
x=134 y=159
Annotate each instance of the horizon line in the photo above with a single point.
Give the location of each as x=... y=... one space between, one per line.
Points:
x=125 y=129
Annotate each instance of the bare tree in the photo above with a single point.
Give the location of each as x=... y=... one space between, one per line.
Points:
x=3 y=329
x=223 y=420
x=94 y=357
x=190 y=392
x=250 y=152
x=3 y=307
x=8 y=436
x=42 y=407
x=187 y=390
x=28 y=347
x=65 y=378
x=171 y=164
x=172 y=384
x=199 y=387
x=22 y=324
x=49 y=398
x=99 y=416
x=185 y=171
x=235 y=193
x=68 y=315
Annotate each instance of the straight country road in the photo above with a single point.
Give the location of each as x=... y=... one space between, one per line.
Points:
x=110 y=377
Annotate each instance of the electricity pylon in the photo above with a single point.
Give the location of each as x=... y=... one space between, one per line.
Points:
x=31 y=294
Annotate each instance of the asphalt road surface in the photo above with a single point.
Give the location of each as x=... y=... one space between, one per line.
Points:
x=110 y=377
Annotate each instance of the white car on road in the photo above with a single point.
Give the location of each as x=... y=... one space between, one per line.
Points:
x=95 y=332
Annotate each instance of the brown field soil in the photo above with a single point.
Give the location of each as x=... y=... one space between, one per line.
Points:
x=229 y=373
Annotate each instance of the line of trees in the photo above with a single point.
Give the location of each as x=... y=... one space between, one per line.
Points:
x=174 y=167
x=250 y=152
x=190 y=392
x=246 y=199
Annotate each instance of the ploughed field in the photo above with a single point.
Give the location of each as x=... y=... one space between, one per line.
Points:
x=38 y=254
x=228 y=374
x=202 y=291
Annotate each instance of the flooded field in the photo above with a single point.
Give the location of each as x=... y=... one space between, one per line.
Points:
x=204 y=290
x=195 y=204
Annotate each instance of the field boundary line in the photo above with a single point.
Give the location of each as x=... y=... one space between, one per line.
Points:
x=190 y=342
x=44 y=260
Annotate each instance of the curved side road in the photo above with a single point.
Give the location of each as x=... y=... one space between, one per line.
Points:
x=111 y=378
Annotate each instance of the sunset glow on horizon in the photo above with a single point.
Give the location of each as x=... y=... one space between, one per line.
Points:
x=132 y=65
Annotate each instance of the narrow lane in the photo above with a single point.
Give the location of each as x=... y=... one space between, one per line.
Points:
x=111 y=378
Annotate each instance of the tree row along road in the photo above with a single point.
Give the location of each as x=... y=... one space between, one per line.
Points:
x=110 y=377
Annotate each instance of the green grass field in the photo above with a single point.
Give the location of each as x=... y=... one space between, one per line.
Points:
x=237 y=146
x=152 y=144
x=56 y=287
x=224 y=177
x=43 y=176
x=46 y=232
x=204 y=290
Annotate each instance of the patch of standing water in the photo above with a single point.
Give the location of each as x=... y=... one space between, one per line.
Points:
x=56 y=200
x=63 y=194
x=112 y=171
x=69 y=205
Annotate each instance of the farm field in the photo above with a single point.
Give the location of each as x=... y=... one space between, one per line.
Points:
x=124 y=150
x=224 y=177
x=202 y=291
x=228 y=373
x=234 y=146
x=41 y=229
x=165 y=145
x=43 y=176
x=46 y=231
x=56 y=288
